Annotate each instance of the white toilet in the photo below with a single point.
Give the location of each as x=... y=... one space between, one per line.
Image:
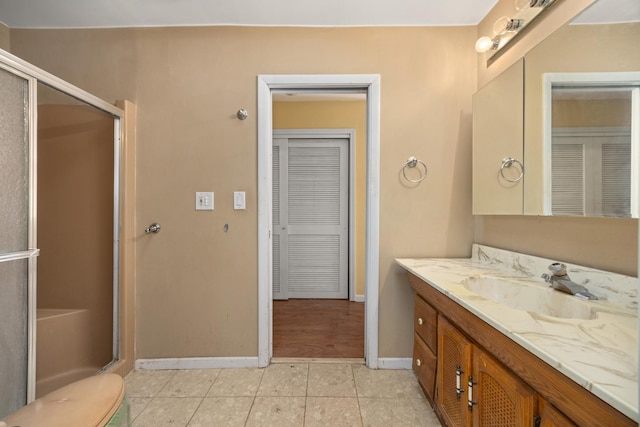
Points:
x=95 y=401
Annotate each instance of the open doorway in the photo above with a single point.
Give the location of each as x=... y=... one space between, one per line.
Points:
x=318 y=225
x=267 y=86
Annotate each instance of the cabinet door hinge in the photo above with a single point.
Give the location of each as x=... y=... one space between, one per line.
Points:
x=536 y=420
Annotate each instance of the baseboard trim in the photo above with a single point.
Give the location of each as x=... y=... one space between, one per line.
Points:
x=359 y=298
x=395 y=363
x=196 y=363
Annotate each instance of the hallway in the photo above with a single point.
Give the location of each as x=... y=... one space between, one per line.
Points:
x=318 y=328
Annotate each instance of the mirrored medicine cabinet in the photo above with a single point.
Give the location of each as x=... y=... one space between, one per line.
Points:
x=558 y=133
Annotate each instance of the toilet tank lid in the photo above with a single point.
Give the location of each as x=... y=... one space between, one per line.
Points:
x=88 y=402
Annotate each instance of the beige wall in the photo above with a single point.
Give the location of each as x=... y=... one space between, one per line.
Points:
x=5 y=40
x=336 y=115
x=197 y=285
x=610 y=244
x=591 y=113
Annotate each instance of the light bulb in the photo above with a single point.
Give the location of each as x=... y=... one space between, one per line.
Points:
x=500 y=26
x=522 y=4
x=505 y=25
x=483 y=44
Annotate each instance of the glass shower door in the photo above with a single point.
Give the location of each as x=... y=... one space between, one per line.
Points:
x=17 y=253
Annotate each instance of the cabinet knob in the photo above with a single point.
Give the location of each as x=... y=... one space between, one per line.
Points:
x=420 y=321
x=418 y=362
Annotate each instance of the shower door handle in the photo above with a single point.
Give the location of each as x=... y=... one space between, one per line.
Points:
x=153 y=228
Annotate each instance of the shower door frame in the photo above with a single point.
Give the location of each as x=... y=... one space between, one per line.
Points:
x=35 y=75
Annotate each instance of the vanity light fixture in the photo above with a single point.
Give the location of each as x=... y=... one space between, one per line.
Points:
x=505 y=28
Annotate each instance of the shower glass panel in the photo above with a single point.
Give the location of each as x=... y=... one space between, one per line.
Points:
x=13 y=335
x=76 y=240
x=14 y=239
x=14 y=162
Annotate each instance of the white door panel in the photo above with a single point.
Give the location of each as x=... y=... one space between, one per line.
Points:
x=310 y=218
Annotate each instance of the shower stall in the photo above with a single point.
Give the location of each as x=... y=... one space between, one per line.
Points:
x=75 y=222
x=60 y=233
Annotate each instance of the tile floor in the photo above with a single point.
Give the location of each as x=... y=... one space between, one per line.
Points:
x=284 y=394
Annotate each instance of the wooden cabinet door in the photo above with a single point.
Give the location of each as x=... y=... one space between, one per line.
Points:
x=500 y=398
x=454 y=366
x=551 y=417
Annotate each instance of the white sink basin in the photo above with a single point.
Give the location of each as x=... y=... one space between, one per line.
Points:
x=530 y=297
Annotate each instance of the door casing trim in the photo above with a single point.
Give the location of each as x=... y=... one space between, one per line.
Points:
x=358 y=83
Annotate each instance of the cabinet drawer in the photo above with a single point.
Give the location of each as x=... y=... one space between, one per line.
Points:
x=424 y=365
x=424 y=323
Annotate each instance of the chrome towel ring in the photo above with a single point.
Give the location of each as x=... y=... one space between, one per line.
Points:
x=507 y=162
x=412 y=162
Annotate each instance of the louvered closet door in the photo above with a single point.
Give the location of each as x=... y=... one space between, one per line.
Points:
x=591 y=174
x=310 y=218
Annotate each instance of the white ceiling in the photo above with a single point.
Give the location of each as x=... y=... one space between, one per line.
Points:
x=151 y=13
x=610 y=11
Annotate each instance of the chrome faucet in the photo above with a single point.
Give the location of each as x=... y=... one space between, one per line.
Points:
x=560 y=281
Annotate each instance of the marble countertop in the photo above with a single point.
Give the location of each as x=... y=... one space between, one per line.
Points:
x=599 y=353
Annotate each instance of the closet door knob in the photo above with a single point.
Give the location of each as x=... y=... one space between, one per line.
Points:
x=418 y=362
x=420 y=321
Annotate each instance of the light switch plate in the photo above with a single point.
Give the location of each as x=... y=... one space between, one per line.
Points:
x=204 y=201
x=239 y=200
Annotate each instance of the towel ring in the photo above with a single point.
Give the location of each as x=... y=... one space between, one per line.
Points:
x=507 y=162
x=412 y=162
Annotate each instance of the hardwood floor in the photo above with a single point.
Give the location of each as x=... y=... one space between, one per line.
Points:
x=318 y=328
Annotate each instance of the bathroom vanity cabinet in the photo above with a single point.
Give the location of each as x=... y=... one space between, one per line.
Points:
x=510 y=385
x=474 y=389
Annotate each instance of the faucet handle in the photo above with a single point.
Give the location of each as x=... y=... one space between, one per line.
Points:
x=546 y=277
x=558 y=269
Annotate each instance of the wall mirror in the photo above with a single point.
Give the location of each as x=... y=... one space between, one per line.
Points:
x=591 y=144
x=582 y=116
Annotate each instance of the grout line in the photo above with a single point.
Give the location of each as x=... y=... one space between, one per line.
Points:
x=255 y=396
x=194 y=412
x=353 y=376
x=306 y=396
x=212 y=382
x=165 y=384
x=142 y=410
x=246 y=419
